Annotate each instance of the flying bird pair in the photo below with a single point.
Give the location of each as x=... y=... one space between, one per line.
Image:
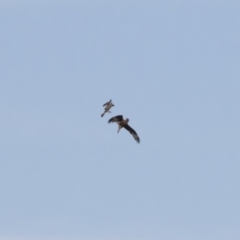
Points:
x=119 y=120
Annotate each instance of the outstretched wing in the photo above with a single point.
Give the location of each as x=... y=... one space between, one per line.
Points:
x=107 y=103
x=117 y=119
x=133 y=132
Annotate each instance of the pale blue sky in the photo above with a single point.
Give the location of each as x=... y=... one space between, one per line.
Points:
x=172 y=67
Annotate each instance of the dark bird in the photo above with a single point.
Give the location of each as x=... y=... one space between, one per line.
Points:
x=124 y=124
x=108 y=106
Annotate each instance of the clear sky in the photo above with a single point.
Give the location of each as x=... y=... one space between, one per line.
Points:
x=172 y=67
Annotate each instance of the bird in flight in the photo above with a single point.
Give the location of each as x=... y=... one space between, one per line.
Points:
x=124 y=124
x=107 y=106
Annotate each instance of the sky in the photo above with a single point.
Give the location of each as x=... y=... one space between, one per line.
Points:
x=172 y=68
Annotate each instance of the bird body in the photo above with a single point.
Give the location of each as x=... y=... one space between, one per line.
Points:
x=124 y=124
x=108 y=105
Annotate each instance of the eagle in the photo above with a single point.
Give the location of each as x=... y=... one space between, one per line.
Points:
x=124 y=123
x=108 y=106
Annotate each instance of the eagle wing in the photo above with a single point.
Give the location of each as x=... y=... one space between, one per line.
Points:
x=133 y=132
x=117 y=119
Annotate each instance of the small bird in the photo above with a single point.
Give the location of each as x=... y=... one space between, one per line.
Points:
x=124 y=123
x=108 y=105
